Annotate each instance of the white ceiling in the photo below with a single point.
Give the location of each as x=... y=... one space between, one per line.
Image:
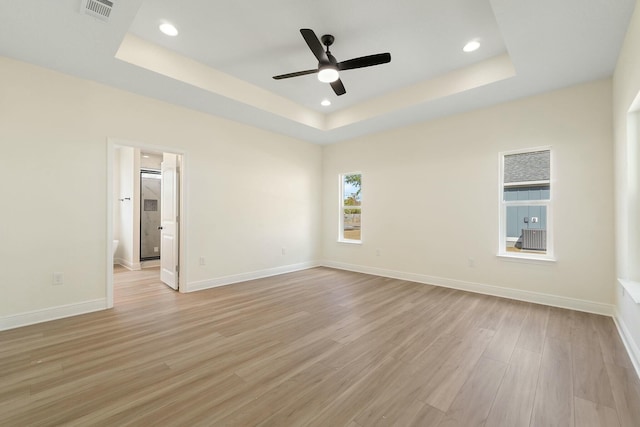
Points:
x=227 y=51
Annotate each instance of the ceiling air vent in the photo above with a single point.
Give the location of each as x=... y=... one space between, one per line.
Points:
x=100 y=9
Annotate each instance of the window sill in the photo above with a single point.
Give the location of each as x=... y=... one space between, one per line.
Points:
x=632 y=287
x=527 y=257
x=350 y=242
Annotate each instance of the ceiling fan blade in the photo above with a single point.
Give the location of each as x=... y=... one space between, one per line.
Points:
x=314 y=44
x=365 y=61
x=338 y=87
x=296 y=74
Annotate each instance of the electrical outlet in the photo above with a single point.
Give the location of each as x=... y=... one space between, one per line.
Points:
x=378 y=251
x=156 y=249
x=284 y=251
x=202 y=262
x=58 y=278
x=472 y=262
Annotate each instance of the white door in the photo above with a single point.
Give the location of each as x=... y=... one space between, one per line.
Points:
x=169 y=221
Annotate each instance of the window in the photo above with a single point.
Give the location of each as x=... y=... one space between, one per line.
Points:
x=350 y=207
x=525 y=204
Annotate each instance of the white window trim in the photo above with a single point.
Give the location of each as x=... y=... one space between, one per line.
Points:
x=342 y=207
x=526 y=183
x=502 y=208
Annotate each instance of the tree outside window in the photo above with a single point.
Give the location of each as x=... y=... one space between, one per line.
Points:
x=350 y=207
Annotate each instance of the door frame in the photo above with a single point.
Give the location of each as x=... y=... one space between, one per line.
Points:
x=112 y=145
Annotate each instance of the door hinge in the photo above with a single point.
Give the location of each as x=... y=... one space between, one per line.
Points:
x=177 y=269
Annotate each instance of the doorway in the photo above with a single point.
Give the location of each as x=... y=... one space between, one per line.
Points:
x=144 y=209
x=150 y=221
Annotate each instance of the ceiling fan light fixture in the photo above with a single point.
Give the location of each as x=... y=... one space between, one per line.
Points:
x=328 y=74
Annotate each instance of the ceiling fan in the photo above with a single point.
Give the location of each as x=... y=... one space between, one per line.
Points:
x=328 y=66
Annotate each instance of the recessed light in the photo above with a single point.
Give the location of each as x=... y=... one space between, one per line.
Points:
x=325 y=103
x=168 y=29
x=145 y=156
x=471 y=46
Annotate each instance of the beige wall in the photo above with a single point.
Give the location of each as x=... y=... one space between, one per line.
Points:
x=626 y=86
x=430 y=193
x=249 y=192
x=430 y=198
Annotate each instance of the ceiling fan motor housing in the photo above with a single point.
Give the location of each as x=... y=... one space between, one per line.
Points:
x=327 y=40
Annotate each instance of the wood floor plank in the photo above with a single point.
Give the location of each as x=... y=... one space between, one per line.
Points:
x=554 y=394
x=91 y=398
x=626 y=394
x=414 y=342
x=590 y=414
x=428 y=416
x=472 y=404
x=560 y=323
x=204 y=400
x=463 y=318
x=275 y=398
x=442 y=388
x=344 y=407
x=316 y=347
x=590 y=379
x=312 y=400
x=390 y=406
x=514 y=400
x=287 y=362
x=409 y=413
x=534 y=329
x=490 y=312
x=613 y=350
x=508 y=331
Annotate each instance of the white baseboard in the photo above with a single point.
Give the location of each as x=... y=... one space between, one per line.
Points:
x=243 y=277
x=135 y=266
x=150 y=263
x=52 y=313
x=629 y=343
x=480 y=288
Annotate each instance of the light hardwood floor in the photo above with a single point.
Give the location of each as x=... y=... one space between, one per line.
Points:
x=319 y=347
